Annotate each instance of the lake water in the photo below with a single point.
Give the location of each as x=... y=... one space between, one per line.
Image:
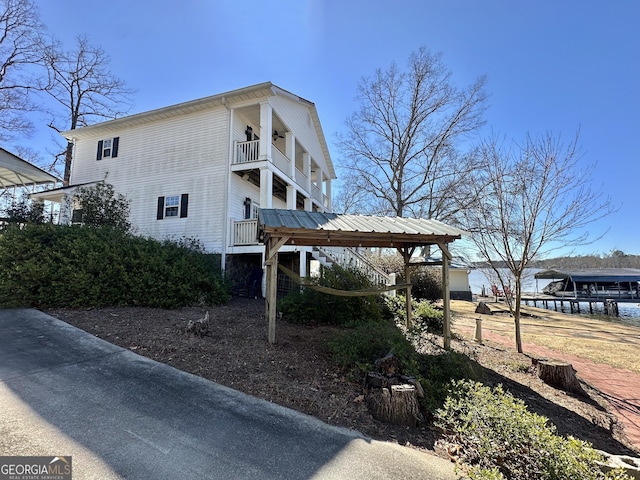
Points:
x=479 y=278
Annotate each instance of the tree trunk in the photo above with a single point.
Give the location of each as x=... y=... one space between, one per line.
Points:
x=397 y=404
x=559 y=375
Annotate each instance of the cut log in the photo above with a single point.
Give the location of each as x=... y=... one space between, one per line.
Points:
x=560 y=375
x=397 y=404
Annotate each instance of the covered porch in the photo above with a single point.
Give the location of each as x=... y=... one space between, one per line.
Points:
x=277 y=228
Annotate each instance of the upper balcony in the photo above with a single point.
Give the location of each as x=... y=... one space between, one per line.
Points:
x=247 y=153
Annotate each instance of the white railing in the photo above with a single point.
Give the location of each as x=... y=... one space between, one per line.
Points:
x=317 y=194
x=247 y=151
x=280 y=160
x=301 y=178
x=245 y=232
x=349 y=257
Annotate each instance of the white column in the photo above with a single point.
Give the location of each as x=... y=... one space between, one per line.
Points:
x=291 y=197
x=266 y=130
x=290 y=152
x=307 y=204
x=303 y=262
x=328 y=183
x=266 y=188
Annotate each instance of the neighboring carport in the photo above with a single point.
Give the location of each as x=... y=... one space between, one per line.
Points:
x=16 y=173
x=277 y=228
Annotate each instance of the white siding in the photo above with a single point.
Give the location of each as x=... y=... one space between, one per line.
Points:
x=458 y=280
x=297 y=118
x=186 y=154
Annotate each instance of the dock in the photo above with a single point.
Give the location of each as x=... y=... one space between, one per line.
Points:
x=609 y=304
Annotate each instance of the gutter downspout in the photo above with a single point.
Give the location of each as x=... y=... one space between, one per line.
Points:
x=226 y=216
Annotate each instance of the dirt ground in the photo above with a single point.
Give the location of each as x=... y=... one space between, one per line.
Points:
x=297 y=372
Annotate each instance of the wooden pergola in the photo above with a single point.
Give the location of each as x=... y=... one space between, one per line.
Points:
x=277 y=228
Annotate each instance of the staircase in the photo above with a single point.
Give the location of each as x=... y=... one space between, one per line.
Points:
x=349 y=257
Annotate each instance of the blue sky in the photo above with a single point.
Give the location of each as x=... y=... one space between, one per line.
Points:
x=552 y=66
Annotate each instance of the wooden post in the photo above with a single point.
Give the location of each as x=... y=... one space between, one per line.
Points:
x=272 y=245
x=479 y=330
x=446 y=310
x=407 y=278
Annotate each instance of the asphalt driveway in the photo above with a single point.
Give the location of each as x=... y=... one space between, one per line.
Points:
x=123 y=416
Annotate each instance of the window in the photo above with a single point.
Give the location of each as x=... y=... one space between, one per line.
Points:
x=173 y=206
x=108 y=148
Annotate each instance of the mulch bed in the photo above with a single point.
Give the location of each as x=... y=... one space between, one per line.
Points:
x=298 y=373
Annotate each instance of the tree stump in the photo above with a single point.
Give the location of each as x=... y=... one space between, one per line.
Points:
x=397 y=404
x=560 y=375
x=392 y=397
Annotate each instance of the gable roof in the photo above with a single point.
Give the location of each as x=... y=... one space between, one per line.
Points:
x=327 y=229
x=16 y=172
x=252 y=92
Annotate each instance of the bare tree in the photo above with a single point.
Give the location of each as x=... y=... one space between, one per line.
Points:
x=401 y=145
x=81 y=82
x=19 y=27
x=532 y=199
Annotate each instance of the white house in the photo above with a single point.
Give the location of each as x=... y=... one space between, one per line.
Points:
x=201 y=169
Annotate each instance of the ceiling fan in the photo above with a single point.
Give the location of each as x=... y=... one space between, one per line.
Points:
x=276 y=135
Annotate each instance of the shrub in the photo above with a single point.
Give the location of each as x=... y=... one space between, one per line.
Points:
x=427 y=284
x=426 y=317
x=23 y=210
x=100 y=206
x=429 y=318
x=500 y=438
x=71 y=266
x=312 y=306
x=357 y=348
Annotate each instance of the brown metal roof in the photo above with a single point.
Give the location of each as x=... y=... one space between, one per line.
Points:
x=319 y=228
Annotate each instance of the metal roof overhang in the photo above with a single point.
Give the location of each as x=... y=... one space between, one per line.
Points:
x=329 y=229
x=16 y=172
x=299 y=227
x=593 y=275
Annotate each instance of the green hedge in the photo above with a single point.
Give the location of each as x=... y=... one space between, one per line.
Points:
x=71 y=266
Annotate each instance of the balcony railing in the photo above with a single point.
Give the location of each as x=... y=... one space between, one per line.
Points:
x=280 y=160
x=245 y=232
x=247 y=151
x=301 y=178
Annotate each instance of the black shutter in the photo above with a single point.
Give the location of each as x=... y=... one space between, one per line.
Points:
x=99 y=154
x=184 y=205
x=160 y=214
x=114 y=147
